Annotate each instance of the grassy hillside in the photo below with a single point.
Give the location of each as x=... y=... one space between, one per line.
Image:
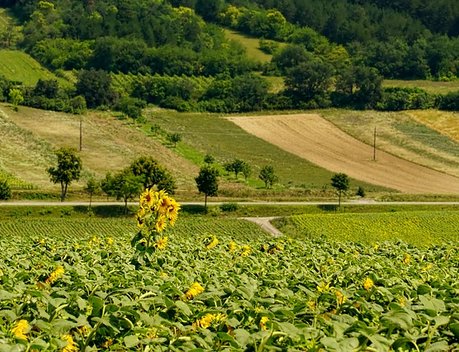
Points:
x=207 y=133
x=401 y=135
x=434 y=87
x=109 y=144
x=16 y=65
x=444 y=122
x=250 y=44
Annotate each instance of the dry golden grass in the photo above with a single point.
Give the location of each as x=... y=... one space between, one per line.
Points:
x=399 y=134
x=445 y=122
x=434 y=87
x=108 y=145
x=319 y=141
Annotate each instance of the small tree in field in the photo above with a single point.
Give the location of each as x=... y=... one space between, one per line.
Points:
x=15 y=97
x=268 y=176
x=237 y=166
x=68 y=169
x=209 y=159
x=340 y=182
x=91 y=188
x=207 y=182
x=123 y=185
x=5 y=190
x=174 y=138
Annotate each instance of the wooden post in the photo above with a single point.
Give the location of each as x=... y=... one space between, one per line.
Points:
x=374 y=145
x=81 y=132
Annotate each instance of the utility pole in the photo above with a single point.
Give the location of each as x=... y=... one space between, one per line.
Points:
x=374 y=145
x=81 y=132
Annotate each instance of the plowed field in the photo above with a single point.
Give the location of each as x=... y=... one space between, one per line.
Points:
x=317 y=140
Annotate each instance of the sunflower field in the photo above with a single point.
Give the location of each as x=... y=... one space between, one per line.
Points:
x=235 y=289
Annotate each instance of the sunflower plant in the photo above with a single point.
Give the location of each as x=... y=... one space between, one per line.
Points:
x=157 y=211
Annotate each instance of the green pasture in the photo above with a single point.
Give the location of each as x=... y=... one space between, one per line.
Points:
x=434 y=87
x=18 y=66
x=250 y=44
x=418 y=228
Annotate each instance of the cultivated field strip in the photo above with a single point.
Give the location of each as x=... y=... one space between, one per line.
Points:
x=319 y=141
x=423 y=228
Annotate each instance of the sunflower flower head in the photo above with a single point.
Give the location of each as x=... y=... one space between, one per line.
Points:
x=160 y=224
x=208 y=320
x=212 y=243
x=71 y=345
x=263 y=322
x=323 y=287
x=55 y=275
x=20 y=329
x=406 y=259
x=340 y=297
x=246 y=250
x=161 y=243
x=368 y=284
x=232 y=246
x=194 y=290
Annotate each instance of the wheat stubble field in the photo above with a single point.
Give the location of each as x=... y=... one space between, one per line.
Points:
x=319 y=141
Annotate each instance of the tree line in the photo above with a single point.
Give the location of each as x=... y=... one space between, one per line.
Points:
x=178 y=58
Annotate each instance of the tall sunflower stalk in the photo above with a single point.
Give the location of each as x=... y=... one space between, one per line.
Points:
x=157 y=210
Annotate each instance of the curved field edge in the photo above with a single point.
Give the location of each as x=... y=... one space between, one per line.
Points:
x=204 y=133
x=428 y=137
x=322 y=143
x=423 y=228
x=289 y=294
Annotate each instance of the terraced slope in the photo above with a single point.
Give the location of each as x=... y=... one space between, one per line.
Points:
x=319 y=141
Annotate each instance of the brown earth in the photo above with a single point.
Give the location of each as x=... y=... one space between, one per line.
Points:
x=317 y=140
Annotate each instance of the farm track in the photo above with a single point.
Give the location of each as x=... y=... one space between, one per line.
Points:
x=317 y=140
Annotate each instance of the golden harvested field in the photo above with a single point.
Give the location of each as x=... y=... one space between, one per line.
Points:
x=319 y=141
x=29 y=136
x=445 y=122
x=398 y=133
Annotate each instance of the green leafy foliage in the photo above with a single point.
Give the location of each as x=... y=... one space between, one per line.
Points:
x=5 y=190
x=418 y=228
x=257 y=292
x=267 y=175
x=207 y=181
x=67 y=170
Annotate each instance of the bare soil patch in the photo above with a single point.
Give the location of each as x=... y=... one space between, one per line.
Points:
x=319 y=141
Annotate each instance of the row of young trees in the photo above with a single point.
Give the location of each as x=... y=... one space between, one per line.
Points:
x=145 y=172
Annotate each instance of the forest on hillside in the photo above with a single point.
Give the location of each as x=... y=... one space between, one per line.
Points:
x=175 y=53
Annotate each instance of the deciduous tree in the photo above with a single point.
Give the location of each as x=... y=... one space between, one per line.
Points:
x=340 y=182
x=268 y=176
x=67 y=170
x=207 y=182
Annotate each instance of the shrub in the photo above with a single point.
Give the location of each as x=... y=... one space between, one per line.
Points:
x=360 y=192
x=5 y=190
x=449 y=101
x=229 y=207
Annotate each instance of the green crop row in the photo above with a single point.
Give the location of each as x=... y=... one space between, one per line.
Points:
x=420 y=228
x=78 y=288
